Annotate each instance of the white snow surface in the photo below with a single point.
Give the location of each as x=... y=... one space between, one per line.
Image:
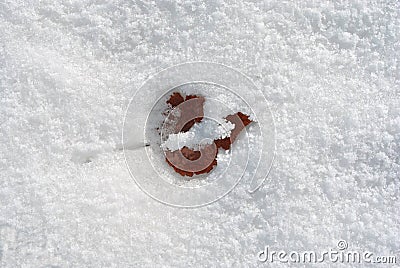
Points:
x=204 y=132
x=329 y=69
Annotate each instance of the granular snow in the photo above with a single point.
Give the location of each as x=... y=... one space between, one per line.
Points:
x=329 y=69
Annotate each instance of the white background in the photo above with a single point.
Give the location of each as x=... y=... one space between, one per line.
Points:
x=330 y=70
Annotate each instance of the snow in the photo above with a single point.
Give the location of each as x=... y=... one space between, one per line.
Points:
x=200 y=134
x=329 y=71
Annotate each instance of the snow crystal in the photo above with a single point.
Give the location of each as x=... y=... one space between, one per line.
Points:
x=201 y=133
x=329 y=70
